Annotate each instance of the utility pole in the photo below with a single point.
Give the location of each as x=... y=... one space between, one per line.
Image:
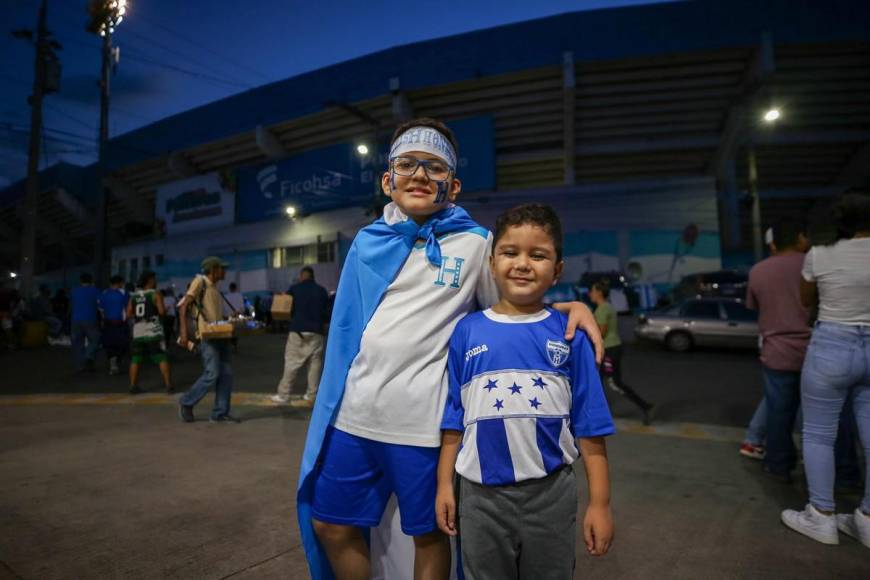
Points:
x=757 y=248
x=45 y=81
x=105 y=16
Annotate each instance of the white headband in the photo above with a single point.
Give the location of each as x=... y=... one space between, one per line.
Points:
x=427 y=140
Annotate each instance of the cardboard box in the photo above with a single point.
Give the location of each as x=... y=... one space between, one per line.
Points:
x=282 y=306
x=218 y=330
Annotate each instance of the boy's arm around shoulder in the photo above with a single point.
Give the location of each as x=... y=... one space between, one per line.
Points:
x=580 y=317
x=590 y=423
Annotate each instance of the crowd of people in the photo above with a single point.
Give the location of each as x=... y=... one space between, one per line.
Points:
x=813 y=303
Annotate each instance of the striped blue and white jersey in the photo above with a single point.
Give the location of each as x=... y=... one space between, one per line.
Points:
x=521 y=394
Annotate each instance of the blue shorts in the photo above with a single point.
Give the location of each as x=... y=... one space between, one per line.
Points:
x=357 y=476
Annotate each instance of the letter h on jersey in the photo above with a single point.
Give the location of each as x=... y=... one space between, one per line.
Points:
x=445 y=271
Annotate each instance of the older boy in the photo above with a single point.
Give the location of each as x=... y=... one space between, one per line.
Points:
x=407 y=280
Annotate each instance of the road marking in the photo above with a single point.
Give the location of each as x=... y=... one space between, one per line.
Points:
x=700 y=431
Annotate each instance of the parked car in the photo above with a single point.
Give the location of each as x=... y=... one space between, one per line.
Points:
x=701 y=322
x=721 y=283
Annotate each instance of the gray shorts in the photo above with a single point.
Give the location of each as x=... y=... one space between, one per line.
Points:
x=527 y=530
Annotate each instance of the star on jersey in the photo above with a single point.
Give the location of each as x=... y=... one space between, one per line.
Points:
x=539 y=382
x=515 y=389
x=490 y=385
x=499 y=403
x=535 y=403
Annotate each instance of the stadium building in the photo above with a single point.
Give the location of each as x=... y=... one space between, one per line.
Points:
x=642 y=125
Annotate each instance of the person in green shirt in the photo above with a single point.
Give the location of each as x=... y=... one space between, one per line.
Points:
x=611 y=375
x=146 y=310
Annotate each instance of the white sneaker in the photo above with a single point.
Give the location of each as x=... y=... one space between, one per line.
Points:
x=813 y=523
x=856 y=525
x=281 y=399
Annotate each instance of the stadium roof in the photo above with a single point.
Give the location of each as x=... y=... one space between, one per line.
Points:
x=648 y=92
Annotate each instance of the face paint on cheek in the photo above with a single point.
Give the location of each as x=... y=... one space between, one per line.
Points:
x=441 y=196
x=392 y=180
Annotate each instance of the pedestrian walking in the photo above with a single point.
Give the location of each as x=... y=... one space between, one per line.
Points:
x=85 y=324
x=116 y=335
x=145 y=309
x=205 y=300
x=611 y=368
x=305 y=340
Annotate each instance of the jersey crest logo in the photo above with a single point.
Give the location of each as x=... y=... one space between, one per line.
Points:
x=558 y=352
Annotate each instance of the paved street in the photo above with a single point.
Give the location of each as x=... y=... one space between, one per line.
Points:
x=96 y=484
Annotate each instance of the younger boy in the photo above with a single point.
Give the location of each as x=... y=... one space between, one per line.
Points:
x=406 y=281
x=518 y=396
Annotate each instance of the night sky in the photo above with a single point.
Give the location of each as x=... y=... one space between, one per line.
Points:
x=176 y=55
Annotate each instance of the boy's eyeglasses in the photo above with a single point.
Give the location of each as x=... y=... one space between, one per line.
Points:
x=435 y=169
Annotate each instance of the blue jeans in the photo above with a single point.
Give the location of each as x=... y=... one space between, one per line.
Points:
x=836 y=368
x=81 y=353
x=217 y=373
x=782 y=397
x=756 y=433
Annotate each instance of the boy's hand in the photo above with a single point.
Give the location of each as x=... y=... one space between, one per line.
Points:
x=598 y=530
x=579 y=316
x=445 y=509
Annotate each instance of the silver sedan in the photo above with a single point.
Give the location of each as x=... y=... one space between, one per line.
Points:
x=701 y=322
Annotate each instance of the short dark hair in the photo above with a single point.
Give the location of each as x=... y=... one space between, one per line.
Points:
x=145 y=277
x=602 y=286
x=116 y=279
x=787 y=231
x=86 y=278
x=537 y=214
x=307 y=269
x=852 y=213
x=428 y=122
x=233 y=286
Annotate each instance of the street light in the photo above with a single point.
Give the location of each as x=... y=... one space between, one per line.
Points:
x=362 y=149
x=290 y=211
x=13 y=274
x=772 y=115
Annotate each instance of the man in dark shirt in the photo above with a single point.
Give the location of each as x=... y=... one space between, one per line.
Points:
x=305 y=340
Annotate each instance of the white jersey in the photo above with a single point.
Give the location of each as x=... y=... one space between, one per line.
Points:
x=397 y=384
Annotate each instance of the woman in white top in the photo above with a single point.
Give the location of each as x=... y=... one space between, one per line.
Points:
x=837 y=366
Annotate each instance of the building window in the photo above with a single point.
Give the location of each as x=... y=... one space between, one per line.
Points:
x=317 y=253
x=294 y=256
x=325 y=252
x=146 y=263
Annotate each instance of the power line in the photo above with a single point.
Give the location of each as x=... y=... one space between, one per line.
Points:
x=188 y=72
x=223 y=83
x=60 y=111
x=175 y=53
x=182 y=36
